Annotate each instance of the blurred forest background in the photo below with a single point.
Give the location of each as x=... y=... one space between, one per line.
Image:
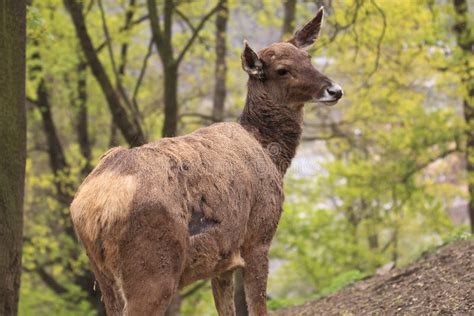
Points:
x=382 y=176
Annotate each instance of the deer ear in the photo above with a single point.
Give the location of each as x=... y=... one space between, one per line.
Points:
x=307 y=35
x=251 y=63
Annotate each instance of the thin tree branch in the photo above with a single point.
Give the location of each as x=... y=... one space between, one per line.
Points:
x=194 y=289
x=124 y=47
x=50 y=281
x=142 y=73
x=123 y=62
x=108 y=40
x=425 y=164
x=185 y=19
x=379 y=40
x=196 y=32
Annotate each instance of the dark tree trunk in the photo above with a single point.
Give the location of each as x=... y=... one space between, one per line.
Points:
x=170 y=125
x=113 y=140
x=13 y=152
x=221 y=65
x=132 y=132
x=82 y=119
x=465 y=39
x=288 y=26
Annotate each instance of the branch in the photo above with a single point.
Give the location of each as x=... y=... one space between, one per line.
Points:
x=142 y=73
x=425 y=164
x=139 y=20
x=55 y=150
x=118 y=81
x=196 y=32
x=338 y=27
x=194 y=289
x=44 y=275
x=185 y=19
x=83 y=119
x=50 y=281
x=379 y=41
x=124 y=48
x=132 y=104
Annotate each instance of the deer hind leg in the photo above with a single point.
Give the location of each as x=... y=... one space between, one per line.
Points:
x=151 y=263
x=255 y=279
x=223 y=291
x=111 y=297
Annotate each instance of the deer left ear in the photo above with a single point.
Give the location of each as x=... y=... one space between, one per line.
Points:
x=251 y=63
x=307 y=35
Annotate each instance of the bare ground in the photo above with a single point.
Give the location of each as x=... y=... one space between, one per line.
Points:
x=439 y=283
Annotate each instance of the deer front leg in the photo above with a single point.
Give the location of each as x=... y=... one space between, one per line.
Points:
x=255 y=279
x=223 y=291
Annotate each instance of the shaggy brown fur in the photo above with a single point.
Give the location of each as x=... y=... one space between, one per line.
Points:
x=158 y=217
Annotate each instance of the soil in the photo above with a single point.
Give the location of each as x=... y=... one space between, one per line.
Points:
x=439 y=283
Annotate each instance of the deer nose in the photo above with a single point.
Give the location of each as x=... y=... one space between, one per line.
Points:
x=335 y=91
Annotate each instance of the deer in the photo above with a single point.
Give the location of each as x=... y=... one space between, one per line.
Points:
x=158 y=217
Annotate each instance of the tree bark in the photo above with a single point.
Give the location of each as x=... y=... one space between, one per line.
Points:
x=170 y=125
x=221 y=65
x=465 y=39
x=162 y=40
x=13 y=152
x=82 y=119
x=132 y=132
x=288 y=26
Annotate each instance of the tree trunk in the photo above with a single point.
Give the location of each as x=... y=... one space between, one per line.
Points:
x=170 y=125
x=465 y=39
x=288 y=19
x=82 y=119
x=221 y=65
x=13 y=152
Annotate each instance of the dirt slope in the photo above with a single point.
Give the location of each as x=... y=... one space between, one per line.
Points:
x=438 y=283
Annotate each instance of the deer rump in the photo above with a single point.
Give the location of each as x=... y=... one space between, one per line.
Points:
x=179 y=209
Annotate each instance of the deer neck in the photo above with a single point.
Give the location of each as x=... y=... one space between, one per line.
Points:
x=276 y=126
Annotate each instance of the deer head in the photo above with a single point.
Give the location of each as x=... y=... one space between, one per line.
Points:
x=286 y=72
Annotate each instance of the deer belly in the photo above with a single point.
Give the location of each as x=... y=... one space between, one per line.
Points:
x=207 y=259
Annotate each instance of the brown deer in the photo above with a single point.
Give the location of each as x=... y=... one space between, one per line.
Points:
x=158 y=217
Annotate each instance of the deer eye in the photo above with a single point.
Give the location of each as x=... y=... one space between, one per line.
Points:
x=282 y=72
